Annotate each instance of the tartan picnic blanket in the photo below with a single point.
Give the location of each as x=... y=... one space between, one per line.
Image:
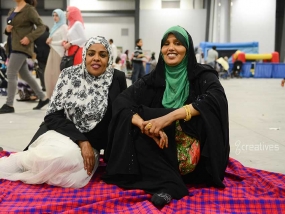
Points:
x=247 y=190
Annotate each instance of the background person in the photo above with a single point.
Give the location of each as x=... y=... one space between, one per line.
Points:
x=76 y=34
x=124 y=58
x=128 y=61
x=213 y=55
x=114 y=49
x=118 y=64
x=137 y=59
x=57 y=36
x=152 y=61
x=42 y=52
x=21 y=34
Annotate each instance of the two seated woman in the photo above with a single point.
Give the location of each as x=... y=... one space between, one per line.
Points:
x=168 y=129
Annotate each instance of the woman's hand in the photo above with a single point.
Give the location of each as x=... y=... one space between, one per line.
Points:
x=283 y=82
x=9 y=28
x=161 y=140
x=157 y=124
x=88 y=155
x=49 y=40
x=67 y=45
x=138 y=121
x=25 y=41
x=154 y=126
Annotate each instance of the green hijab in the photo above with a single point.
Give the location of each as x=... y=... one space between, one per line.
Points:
x=177 y=84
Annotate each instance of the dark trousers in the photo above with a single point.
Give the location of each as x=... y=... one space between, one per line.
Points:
x=138 y=71
x=41 y=73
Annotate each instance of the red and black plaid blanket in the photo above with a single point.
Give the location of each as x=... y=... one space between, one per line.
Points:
x=247 y=191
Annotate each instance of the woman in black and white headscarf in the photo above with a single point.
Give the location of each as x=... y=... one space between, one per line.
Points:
x=64 y=151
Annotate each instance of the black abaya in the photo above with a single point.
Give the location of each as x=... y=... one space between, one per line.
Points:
x=136 y=162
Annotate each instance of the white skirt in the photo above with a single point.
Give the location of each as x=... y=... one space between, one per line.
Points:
x=53 y=159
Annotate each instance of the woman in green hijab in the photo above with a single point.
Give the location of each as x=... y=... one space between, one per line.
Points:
x=170 y=127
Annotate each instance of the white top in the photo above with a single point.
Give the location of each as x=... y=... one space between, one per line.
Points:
x=114 y=52
x=76 y=34
x=58 y=37
x=198 y=57
x=212 y=55
x=118 y=66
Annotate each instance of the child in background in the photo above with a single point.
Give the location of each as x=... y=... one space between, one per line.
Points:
x=118 y=64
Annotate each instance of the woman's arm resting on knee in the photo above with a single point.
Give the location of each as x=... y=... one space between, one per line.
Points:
x=161 y=138
x=159 y=123
x=88 y=155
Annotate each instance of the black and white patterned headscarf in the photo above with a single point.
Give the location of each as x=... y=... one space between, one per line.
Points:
x=83 y=96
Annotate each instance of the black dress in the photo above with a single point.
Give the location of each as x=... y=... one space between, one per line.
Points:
x=136 y=162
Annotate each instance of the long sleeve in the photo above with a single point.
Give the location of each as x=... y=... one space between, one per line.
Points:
x=138 y=98
x=57 y=121
x=5 y=32
x=58 y=37
x=76 y=34
x=63 y=36
x=35 y=19
x=137 y=52
x=55 y=118
x=57 y=43
x=122 y=81
x=213 y=107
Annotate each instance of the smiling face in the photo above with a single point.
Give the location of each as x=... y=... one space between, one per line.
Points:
x=96 y=59
x=55 y=17
x=173 y=51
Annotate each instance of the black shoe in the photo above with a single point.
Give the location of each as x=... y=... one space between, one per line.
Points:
x=41 y=104
x=1 y=149
x=160 y=199
x=6 y=109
